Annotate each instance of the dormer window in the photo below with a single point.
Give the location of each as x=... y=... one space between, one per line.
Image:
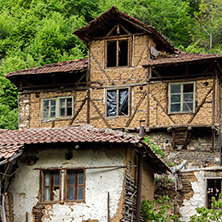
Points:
x=181 y=97
x=118 y=47
x=117 y=53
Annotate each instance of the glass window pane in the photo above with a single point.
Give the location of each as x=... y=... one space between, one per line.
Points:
x=47 y=179
x=62 y=111
x=123 y=102
x=53 y=102
x=71 y=193
x=175 y=88
x=175 y=98
x=56 y=179
x=111 y=102
x=47 y=194
x=80 y=178
x=188 y=87
x=62 y=103
x=80 y=193
x=71 y=178
x=46 y=104
x=175 y=107
x=188 y=97
x=69 y=102
x=52 y=114
x=187 y=107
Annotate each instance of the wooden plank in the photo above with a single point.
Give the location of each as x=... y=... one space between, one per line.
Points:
x=100 y=114
x=137 y=107
x=198 y=108
x=77 y=112
x=186 y=139
x=213 y=139
x=173 y=139
x=214 y=102
x=162 y=107
x=88 y=107
x=101 y=68
x=141 y=55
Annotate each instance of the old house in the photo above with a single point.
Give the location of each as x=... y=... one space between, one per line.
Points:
x=76 y=173
x=134 y=76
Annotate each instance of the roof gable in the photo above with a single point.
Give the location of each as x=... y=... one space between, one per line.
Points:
x=106 y=21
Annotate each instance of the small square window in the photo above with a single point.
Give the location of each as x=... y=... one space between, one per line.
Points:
x=181 y=97
x=117 y=102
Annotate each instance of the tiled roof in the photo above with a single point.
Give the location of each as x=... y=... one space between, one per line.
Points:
x=181 y=58
x=11 y=141
x=85 y=31
x=61 y=67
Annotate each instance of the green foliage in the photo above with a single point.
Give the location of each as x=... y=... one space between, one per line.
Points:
x=209 y=215
x=157 y=210
x=156 y=148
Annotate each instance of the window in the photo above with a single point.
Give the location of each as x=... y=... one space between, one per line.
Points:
x=51 y=186
x=52 y=189
x=181 y=97
x=117 y=102
x=117 y=53
x=75 y=185
x=213 y=190
x=60 y=107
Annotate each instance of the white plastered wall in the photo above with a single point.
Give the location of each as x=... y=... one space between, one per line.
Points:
x=197 y=200
x=25 y=185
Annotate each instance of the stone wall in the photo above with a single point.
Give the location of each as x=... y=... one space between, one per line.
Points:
x=198 y=153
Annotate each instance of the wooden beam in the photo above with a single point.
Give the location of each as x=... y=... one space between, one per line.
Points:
x=161 y=107
x=214 y=102
x=198 y=108
x=77 y=112
x=100 y=114
x=88 y=107
x=213 y=139
x=137 y=107
x=101 y=68
x=141 y=55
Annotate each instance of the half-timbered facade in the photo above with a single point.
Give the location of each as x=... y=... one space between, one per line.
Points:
x=133 y=76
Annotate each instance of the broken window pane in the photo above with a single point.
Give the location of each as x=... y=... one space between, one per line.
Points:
x=111 y=53
x=123 y=102
x=123 y=53
x=111 y=102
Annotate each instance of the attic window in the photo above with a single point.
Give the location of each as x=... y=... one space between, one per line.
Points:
x=181 y=97
x=117 y=102
x=117 y=53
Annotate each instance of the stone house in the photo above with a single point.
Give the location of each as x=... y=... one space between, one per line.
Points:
x=134 y=76
x=78 y=173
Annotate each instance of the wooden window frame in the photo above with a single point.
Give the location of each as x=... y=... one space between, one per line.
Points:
x=117 y=98
x=129 y=56
x=63 y=186
x=51 y=186
x=57 y=111
x=181 y=97
x=75 y=186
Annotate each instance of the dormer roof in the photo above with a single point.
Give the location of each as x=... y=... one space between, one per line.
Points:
x=108 y=19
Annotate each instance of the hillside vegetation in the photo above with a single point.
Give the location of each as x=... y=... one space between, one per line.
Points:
x=38 y=32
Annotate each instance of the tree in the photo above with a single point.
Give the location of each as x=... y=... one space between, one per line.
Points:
x=207 y=31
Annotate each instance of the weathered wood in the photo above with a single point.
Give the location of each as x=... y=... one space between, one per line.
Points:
x=213 y=139
x=198 y=108
x=137 y=107
x=141 y=56
x=161 y=107
x=173 y=139
x=77 y=112
x=101 y=68
x=214 y=102
x=100 y=114
x=88 y=106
